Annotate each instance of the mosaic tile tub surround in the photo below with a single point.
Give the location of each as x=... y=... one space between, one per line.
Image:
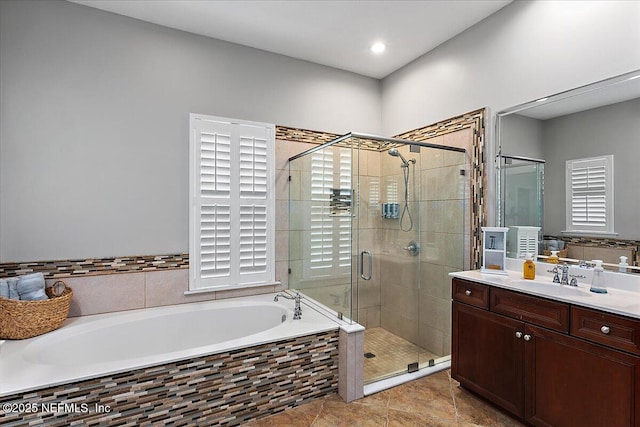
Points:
x=96 y=266
x=228 y=389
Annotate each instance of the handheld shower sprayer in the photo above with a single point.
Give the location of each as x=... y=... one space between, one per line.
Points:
x=405 y=169
x=395 y=153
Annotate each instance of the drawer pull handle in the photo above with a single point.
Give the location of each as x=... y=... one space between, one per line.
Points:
x=527 y=337
x=518 y=334
x=605 y=329
x=467 y=292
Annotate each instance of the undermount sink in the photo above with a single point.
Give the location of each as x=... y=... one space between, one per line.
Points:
x=556 y=289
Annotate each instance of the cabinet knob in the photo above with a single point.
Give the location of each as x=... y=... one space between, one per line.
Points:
x=518 y=334
x=527 y=337
x=467 y=292
x=605 y=329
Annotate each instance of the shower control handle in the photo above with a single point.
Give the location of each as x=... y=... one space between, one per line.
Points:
x=413 y=248
x=370 y=269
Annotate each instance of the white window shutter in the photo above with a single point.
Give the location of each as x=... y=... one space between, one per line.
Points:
x=215 y=241
x=329 y=249
x=589 y=195
x=232 y=207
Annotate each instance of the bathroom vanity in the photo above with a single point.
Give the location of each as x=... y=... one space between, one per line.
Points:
x=549 y=354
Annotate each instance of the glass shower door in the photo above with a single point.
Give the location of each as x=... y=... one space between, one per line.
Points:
x=444 y=212
x=321 y=212
x=415 y=246
x=389 y=228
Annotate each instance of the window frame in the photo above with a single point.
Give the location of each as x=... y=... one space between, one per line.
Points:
x=259 y=230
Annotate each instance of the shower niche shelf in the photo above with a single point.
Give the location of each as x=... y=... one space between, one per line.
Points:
x=340 y=202
x=494 y=250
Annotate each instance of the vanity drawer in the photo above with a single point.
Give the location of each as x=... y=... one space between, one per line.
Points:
x=538 y=311
x=471 y=293
x=612 y=330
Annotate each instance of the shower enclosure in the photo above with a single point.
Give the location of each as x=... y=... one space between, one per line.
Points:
x=375 y=226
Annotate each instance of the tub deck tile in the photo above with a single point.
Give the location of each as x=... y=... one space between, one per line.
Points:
x=229 y=388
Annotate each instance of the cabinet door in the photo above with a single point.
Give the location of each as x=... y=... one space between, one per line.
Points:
x=487 y=356
x=570 y=382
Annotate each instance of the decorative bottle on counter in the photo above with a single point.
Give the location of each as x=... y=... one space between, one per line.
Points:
x=529 y=268
x=597 y=283
x=553 y=259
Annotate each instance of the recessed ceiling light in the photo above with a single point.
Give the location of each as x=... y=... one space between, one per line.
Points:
x=378 y=47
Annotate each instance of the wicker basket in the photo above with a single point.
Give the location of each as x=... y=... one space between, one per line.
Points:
x=26 y=319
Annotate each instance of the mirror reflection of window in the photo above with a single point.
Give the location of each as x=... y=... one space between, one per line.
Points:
x=589 y=195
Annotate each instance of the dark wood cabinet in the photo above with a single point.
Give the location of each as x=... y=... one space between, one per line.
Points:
x=485 y=344
x=519 y=354
x=571 y=382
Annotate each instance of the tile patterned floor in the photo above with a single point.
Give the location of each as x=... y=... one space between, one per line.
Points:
x=393 y=354
x=436 y=400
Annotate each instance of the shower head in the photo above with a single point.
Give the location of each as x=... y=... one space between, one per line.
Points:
x=395 y=153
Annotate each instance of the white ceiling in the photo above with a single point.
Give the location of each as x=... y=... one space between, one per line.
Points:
x=335 y=33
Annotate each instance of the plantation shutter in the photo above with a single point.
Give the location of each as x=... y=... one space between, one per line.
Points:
x=232 y=208
x=329 y=232
x=590 y=194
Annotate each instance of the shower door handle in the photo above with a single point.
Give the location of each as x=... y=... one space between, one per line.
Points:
x=370 y=269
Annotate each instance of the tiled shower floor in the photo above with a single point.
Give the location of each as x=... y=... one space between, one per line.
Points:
x=392 y=354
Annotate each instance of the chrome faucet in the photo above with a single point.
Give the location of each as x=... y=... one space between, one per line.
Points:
x=574 y=279
x=565 y=274
x=297 y=311
x=556 y=277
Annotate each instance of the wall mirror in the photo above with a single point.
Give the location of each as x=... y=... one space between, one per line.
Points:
x=538 y=141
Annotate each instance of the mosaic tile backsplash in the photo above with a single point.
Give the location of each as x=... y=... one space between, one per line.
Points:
x=96 y=266
x=225 y=389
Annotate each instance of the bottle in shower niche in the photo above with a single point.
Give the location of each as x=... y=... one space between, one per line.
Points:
x=598 y=284
x=529 y=268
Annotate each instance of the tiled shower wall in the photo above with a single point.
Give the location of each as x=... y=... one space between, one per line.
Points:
x=415 y=291
x=440 y=205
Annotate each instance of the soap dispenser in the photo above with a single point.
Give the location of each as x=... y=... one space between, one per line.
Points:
x=623 y=264
x=529 y=268
x=553 y=259
x=598 y=282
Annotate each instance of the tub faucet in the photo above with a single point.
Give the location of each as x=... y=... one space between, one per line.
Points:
x=297 y=311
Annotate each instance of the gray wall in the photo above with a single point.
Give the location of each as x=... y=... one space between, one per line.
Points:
x=526 y=50
x=613 y=129
x=93 y=142
x=521 y=136
x=94 y=112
